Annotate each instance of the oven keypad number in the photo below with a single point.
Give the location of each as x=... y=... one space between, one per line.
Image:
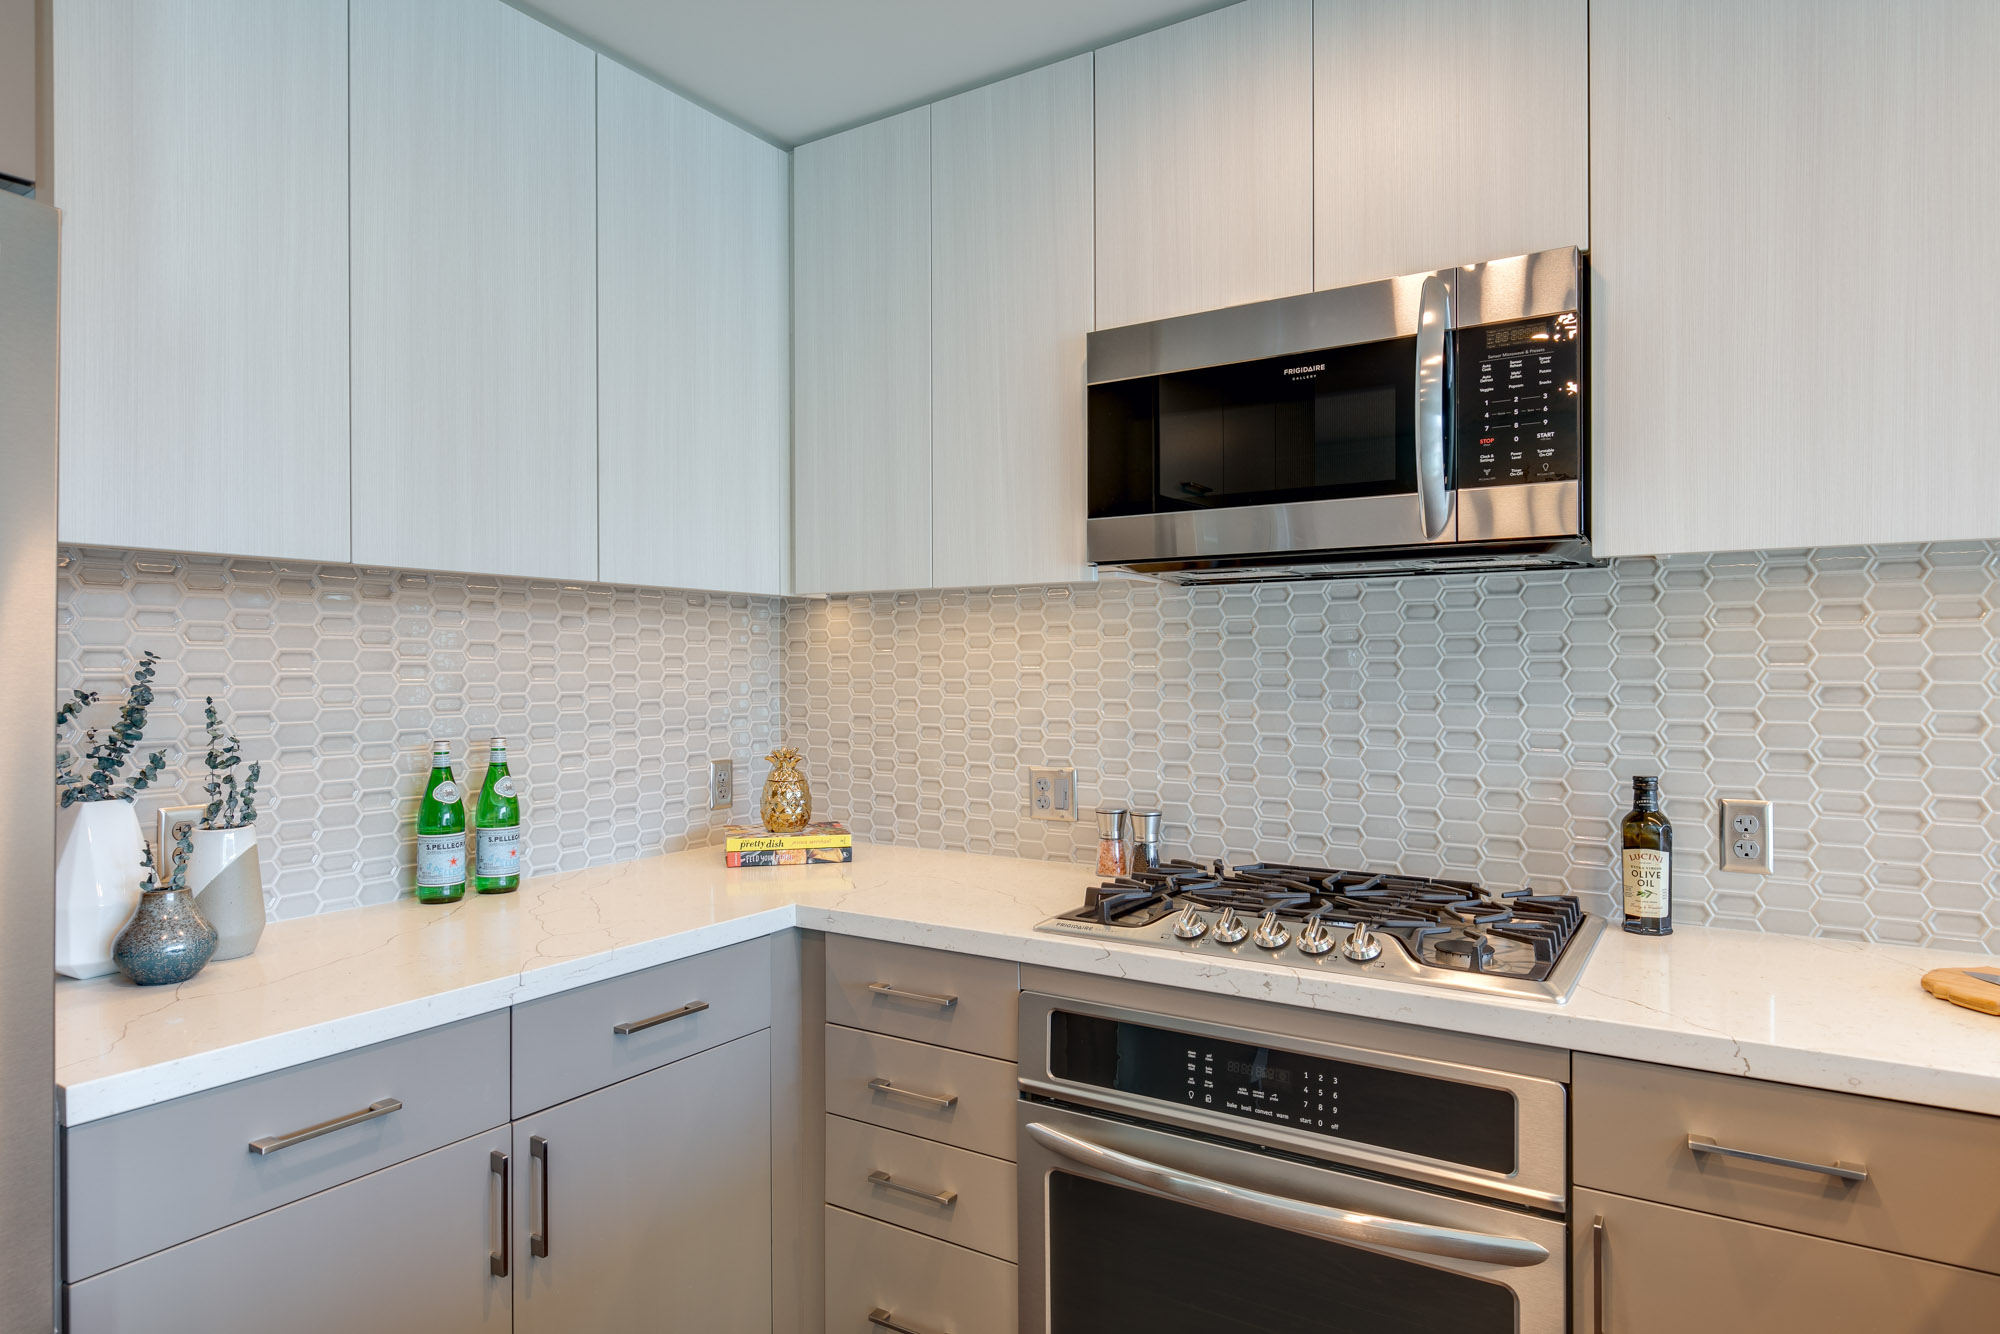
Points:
x=1309 y=1099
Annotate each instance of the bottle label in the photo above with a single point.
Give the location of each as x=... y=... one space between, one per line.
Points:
x=504 y=786
x=500 y=850
x=440 y=860
x=446 y=792
x=1646 y=890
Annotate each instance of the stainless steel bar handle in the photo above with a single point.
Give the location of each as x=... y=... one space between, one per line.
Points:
x=946 y=1100
x=500 y=1261
x=1597 y=1276
x=1365 y=1231
x=1433 y=330
x=641 y=1025
x=538 y=1242
x=947 y=1198
x=884 y=989
x=273 y=1143
x=882 y=1319
x=1845 y=1171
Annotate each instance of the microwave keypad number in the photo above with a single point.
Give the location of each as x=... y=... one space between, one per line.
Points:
x=1517 y=402
x=1252 y=1087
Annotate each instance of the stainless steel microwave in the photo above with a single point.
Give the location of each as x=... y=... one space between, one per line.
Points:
x=1429 y=423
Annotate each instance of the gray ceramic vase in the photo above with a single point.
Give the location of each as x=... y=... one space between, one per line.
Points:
x=167 y=940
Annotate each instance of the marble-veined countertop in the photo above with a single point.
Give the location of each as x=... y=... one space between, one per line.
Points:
x=1822 y=1013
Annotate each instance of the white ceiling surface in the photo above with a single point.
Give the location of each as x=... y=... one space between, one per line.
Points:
x=797 y=70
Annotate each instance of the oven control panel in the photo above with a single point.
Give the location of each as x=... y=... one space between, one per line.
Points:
x=1517 y=402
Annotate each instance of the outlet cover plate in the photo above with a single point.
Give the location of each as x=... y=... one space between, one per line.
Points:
x=721 y=784
x=1747 y=835
x=1052 y=794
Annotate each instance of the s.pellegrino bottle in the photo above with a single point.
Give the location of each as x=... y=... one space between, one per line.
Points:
x=498 y=869
x=1647 y=866
x=441 y=833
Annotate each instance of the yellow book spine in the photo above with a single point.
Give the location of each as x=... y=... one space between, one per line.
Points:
x=785 y=842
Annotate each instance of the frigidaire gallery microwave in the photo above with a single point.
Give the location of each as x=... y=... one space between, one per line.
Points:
x=1428 y=423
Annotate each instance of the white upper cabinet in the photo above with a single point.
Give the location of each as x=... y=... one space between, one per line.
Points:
x=694 y=344
x=475 y=311
x=201 y=165
x=1205 y=163
x=1010 y=306
x=1792 y=273
x=1446 y=132
x=861 y=246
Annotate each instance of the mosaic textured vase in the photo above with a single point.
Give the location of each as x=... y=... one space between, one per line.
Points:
x=788 y=802
x=167 y=940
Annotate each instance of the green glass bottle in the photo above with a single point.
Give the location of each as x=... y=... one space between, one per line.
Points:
x=441 y=833
x=1646 y=864
x=498 y=845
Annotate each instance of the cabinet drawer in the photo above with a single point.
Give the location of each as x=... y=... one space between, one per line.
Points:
x=980 y=1093
x=912 y=1279
x=567 y=1045
x=982 y=1207
x=1668 y=1271
x=953 y=1000
x=1632 y=1122
x=144 y=1180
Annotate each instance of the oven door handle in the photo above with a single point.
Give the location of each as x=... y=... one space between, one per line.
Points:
x=1434 y=496
x=1366 y=1231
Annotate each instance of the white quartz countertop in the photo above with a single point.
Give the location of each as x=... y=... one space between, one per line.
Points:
x=1826 y=1014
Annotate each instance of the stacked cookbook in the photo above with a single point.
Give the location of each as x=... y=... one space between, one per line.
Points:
x=754 y=845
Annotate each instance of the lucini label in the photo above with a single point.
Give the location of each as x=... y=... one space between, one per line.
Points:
x=1645 y=882
x=500 y=850
x=440 y=860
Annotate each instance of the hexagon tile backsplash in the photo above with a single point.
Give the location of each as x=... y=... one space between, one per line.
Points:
x=611 y=700
x=1479 y=726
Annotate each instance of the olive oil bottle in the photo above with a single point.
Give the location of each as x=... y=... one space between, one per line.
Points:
x=1646 y=869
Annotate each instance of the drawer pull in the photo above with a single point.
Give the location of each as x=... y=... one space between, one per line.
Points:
x=897 y=993
x=538 y=1242
x=882 y=1319
x=273 y=1143
x=1845 y=1171
x=1597 y=1276
x=640 y=1025
x=500 y=1261
x=945 y=1102
x=946 y=1198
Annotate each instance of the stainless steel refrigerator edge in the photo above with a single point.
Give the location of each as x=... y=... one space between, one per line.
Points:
x=27 y=806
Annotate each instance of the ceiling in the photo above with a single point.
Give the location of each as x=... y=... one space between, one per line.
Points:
x=796 y=70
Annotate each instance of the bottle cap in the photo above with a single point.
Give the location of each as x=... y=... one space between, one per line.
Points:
x=440 y=747
x=497 y=743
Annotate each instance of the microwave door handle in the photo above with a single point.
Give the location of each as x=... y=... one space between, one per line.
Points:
x=1433 y=330
x=1365 y=1231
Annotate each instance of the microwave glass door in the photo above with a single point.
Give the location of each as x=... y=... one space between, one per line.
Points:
x=1334 y=424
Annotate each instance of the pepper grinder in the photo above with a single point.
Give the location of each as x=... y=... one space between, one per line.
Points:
x=1113 y=853
x=1146 y=841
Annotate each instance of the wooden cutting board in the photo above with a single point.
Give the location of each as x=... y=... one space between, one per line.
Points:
x=1971 y=987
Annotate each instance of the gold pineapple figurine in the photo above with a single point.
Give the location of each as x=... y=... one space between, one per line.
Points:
x=788 y=802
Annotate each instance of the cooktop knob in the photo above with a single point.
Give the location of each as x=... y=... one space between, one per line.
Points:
x=1361 y=945
x=1189 y=926
x=1314 y=938
x=1271 y=933
x=1229 y=928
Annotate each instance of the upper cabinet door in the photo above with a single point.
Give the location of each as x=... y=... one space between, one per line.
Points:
x=201 y=166
x=1792 y=271
x=1204 y=163
x=861 y=245
x=694 y=345
x=1446 y=132
x=475 y=312
x=1010 y=305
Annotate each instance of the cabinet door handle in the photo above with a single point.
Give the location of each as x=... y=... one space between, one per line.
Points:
x=1597 y=1276
x=947 y=1198
x=944 y=1102
x=641 y=1025
x=897 y=993
x=500 y=1261
x=538 y=1242
x=882 y=1319
x=273 y=1143
x=1845 y=1171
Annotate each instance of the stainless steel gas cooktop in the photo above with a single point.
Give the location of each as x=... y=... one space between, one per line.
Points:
x=1447 y=933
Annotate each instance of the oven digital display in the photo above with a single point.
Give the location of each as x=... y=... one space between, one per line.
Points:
x=1442 y=1119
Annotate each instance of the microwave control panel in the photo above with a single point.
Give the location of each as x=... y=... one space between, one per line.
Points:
x=1517 y=402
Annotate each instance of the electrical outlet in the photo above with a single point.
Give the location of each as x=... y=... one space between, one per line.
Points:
x=1747 y=836
x=1052 y=794
x=721 y=784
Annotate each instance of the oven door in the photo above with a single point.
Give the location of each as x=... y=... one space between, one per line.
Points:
x=1126 y=1226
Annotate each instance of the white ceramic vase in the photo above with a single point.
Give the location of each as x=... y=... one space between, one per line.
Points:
x=98 y=874
x=228 y=883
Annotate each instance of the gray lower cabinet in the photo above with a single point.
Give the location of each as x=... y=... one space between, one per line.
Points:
x=410 y=1247
x=647 y=1205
